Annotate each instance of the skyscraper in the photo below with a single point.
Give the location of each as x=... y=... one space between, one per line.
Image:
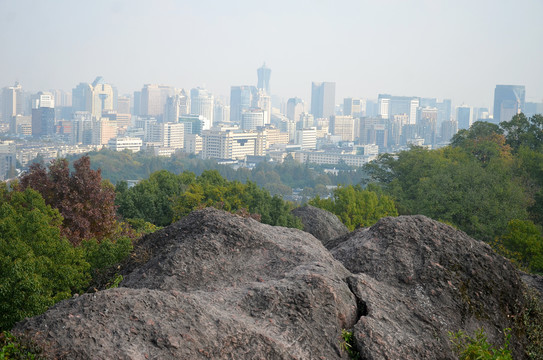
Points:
x=463 y=117
x=242 y=98
x=264 y=78
x=12 y=102
x=153 y=99
x=201 y=103
x=398 y=105
x=43 y=114
x=508 y=101
x=103 y=97
x=323 y=99
x=353 y=107
x=295 y=107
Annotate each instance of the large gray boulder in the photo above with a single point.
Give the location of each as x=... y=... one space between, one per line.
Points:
x=320 y=223
x=214 y=285
x=421 y=279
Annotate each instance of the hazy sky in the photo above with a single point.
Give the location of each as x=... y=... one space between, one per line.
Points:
x=458 y=49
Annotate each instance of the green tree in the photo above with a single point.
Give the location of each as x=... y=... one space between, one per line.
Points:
x=211 y=189
x=38 y=267
x=523 y=131
x=356 y=207
x=452 y=185
x=152 y=199
x=525 y=241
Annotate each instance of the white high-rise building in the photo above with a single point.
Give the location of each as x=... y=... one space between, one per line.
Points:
x=252 y=119
x=232 y=144
x=264 y=103
x=43 y=99
x=12 y=102
x=388 y=106
x=307 y=138
x=201 y=103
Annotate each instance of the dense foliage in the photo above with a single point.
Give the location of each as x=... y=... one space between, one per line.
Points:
x=38 y=267
x=166 y=197
x=84 y=201
x=356 y=207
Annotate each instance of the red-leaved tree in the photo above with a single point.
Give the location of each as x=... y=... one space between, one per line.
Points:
x=84 y=201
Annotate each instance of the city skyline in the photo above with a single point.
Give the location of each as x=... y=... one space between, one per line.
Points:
x=450 y=49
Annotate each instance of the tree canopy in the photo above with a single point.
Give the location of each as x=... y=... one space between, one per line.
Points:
x=38 y=267
x=86 y=204
x=356 y=207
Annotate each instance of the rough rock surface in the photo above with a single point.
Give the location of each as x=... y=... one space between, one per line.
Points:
x=215 y=286
x=219 y=286
x=420 y=279
x=320 y=223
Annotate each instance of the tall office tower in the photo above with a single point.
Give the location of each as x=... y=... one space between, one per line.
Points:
x=43 y=114
x=184 y=102
x=295 y=107
x=241 y=98
x=123 y=105
x=103 y=97
x=343 y=126
x=323 y=99
x=12 y=102
x=221 y=112
x=153 y=98
x=383 y=106
x=82 y=128
x=463 y=117
x=397 y=105
x=508 y=101
x=394 y=128
x=251 y=119
x=427 y=125
x=354 y=107
x=136 y=110
x=8 y=159
x=175 y=106
x=201 y=103
x=264 y=79
x=264 y=102
x=443 y=111
x=82 y=97
x=371 y=109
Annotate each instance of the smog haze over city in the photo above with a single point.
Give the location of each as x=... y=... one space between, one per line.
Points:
x=444 y=49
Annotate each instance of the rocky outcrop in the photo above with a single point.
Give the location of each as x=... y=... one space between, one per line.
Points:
x=216 y=285
x=320 y=223
x=421 y=279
